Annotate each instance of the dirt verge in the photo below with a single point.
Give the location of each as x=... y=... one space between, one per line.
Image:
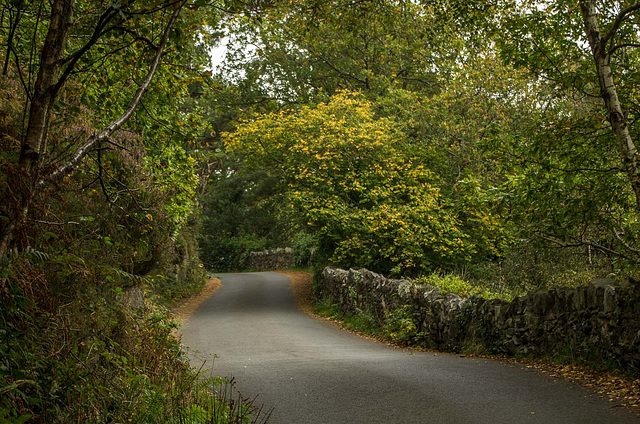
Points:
x=183 y=310
x=301 y=287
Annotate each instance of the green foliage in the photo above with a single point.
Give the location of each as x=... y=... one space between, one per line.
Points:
x=73 y=347
x=327 y=309
x=401 y=326
x=361 y=321
x=529 y=267
x=78 y=352
x=448 y=284
x=304 y=249
x=509 y=127
x=451 y=283
x=173 y=174
x=183 y=274
x=241 y=213
x=569 y=152
x=356 y=185
x=230 y=253
x=307 y=50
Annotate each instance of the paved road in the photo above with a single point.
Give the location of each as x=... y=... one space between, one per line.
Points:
x=311 y=372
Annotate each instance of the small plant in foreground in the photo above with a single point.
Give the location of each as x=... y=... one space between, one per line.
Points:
x=360 y=321
x=328 y=309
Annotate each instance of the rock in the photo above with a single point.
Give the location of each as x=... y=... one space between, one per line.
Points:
x=133 y=298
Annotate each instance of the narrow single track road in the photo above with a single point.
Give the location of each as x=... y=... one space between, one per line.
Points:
x=312 y=372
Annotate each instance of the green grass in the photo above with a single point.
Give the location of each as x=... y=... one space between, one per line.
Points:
x=360 y=321
x=400 y=326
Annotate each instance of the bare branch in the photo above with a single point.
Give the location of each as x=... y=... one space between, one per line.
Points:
x=101 y=179
x=56 y=223
x=583 y=242
x=120 y=146
x=25 y=86
x=624 y=243
x=340 y=72
x=153 y=118
x=98 y=32
x=137 y=36
x=353 y=3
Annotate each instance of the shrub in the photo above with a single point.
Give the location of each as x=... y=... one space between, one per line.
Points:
x=75 y=352
x=223 y=255
x=401 y=326
x=451 y=283
x=304 y=246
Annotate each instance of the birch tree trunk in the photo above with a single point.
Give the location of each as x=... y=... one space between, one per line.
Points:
x=41 y=102
x=616 y=116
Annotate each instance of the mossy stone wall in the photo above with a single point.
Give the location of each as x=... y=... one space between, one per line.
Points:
x=598 y=322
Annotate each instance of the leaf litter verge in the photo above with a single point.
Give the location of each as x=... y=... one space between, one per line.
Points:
x=183 y=311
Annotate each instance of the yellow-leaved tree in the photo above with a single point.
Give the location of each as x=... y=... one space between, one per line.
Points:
x=357 y=184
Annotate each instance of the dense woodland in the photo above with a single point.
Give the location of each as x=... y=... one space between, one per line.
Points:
x=491 y=143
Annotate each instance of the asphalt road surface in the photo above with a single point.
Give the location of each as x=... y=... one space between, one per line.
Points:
x=312 y=372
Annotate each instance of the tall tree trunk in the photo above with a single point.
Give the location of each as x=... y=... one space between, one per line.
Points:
x=46 y=90
x=34 y=142
x=608 y=92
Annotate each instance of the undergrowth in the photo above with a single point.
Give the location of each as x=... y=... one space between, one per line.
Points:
x=359 y=321
x=400 y=326
x=73 y=349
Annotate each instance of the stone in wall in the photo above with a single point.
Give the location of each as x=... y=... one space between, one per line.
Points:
x=599 y=322
x=267 y=260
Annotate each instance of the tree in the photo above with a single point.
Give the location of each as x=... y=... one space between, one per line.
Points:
x=303 y=50
x=74 y=79
x=357 y=184
x=582 y=148
x=605 y=48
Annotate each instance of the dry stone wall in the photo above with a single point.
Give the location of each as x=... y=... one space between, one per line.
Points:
x=268 y=260
x=598 y=322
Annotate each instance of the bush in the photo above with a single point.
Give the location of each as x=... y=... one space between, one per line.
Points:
x=451 y=283
x=402 y=325
x=224 y=255
x=527 y=267
x=304 y=247
x=73 y=349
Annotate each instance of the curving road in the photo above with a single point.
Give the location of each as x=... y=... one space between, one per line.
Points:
x=311 y=372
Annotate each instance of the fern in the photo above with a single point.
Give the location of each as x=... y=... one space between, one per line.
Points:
x=28 y=253
x=124 y=275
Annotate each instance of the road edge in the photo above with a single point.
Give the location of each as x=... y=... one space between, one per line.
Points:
x=182 y=311
x=620 y=391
